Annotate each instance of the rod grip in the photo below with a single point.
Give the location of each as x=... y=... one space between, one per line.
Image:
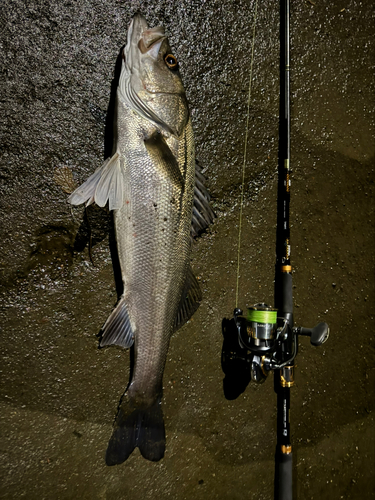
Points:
x=284 y=293
x=283 y=476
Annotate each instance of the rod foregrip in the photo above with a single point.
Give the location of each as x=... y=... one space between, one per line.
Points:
x=284 y=293
x=283 y=476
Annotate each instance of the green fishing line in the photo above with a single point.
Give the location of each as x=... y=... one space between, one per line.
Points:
x=256 y=316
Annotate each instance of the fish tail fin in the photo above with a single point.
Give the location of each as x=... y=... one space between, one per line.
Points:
x=142 y=428
x=151 y=435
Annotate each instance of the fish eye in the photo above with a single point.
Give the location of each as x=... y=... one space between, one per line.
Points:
x=171 y=61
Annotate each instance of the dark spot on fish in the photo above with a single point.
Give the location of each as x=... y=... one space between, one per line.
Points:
x=155 y=205
x=165 y=219
x=77 y=434
x=173 y=200
x=200 y=481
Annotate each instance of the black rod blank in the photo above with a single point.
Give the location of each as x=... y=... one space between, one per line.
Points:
x=284 y=378
x=283 y=231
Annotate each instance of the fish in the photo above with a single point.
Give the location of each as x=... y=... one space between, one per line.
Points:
x=156 y=192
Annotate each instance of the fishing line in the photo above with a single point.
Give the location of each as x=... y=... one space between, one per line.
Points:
x=262 y=316
x=245 y=151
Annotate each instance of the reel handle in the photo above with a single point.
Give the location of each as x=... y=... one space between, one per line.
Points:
x=318 y=335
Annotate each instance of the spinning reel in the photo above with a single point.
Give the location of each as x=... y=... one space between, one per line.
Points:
x=259 y=343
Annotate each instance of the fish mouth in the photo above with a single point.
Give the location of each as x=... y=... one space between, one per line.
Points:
x=147 y=39
x=137 y=26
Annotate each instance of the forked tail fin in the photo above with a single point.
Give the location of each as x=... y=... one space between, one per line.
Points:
x=142 y=428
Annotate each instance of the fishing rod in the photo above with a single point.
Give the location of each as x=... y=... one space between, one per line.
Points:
x=265 y=339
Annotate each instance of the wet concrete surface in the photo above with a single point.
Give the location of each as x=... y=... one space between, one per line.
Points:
x=59 y=393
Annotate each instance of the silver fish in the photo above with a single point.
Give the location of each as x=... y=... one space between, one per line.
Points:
x=158 y=198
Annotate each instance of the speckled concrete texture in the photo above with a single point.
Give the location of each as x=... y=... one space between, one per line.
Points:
x=58 y=392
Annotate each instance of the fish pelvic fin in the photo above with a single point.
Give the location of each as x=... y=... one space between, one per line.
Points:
x=142 y=428
x=117 y=330
x=190 y=300
x=203 y=214
x=106 y=184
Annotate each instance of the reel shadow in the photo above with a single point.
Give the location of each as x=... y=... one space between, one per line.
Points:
x=235 y=361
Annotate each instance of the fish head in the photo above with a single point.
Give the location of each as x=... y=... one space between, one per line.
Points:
x=150 y=81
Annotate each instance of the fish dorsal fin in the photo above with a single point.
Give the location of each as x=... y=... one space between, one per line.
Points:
x=106 y=184
x=190 y=300
x=203 y=215
x=117 y=330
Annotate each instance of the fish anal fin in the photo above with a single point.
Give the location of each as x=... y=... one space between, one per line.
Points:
x=117 y=330
x=190 y=300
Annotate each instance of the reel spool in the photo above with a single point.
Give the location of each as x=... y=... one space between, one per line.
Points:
x=261 y=328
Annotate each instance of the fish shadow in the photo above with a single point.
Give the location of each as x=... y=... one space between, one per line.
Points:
x=111 y=110
x=109 y=139
x=97 y=223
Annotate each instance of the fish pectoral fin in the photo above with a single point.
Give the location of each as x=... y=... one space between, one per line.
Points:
x=203 y=214
x=190 y=300
x=117 y=329
x=162 y=156
x=104 y=185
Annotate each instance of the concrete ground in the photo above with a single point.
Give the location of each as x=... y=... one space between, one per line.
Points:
x=58 y=392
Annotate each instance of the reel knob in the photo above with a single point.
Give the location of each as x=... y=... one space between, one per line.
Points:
x=318 y=335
